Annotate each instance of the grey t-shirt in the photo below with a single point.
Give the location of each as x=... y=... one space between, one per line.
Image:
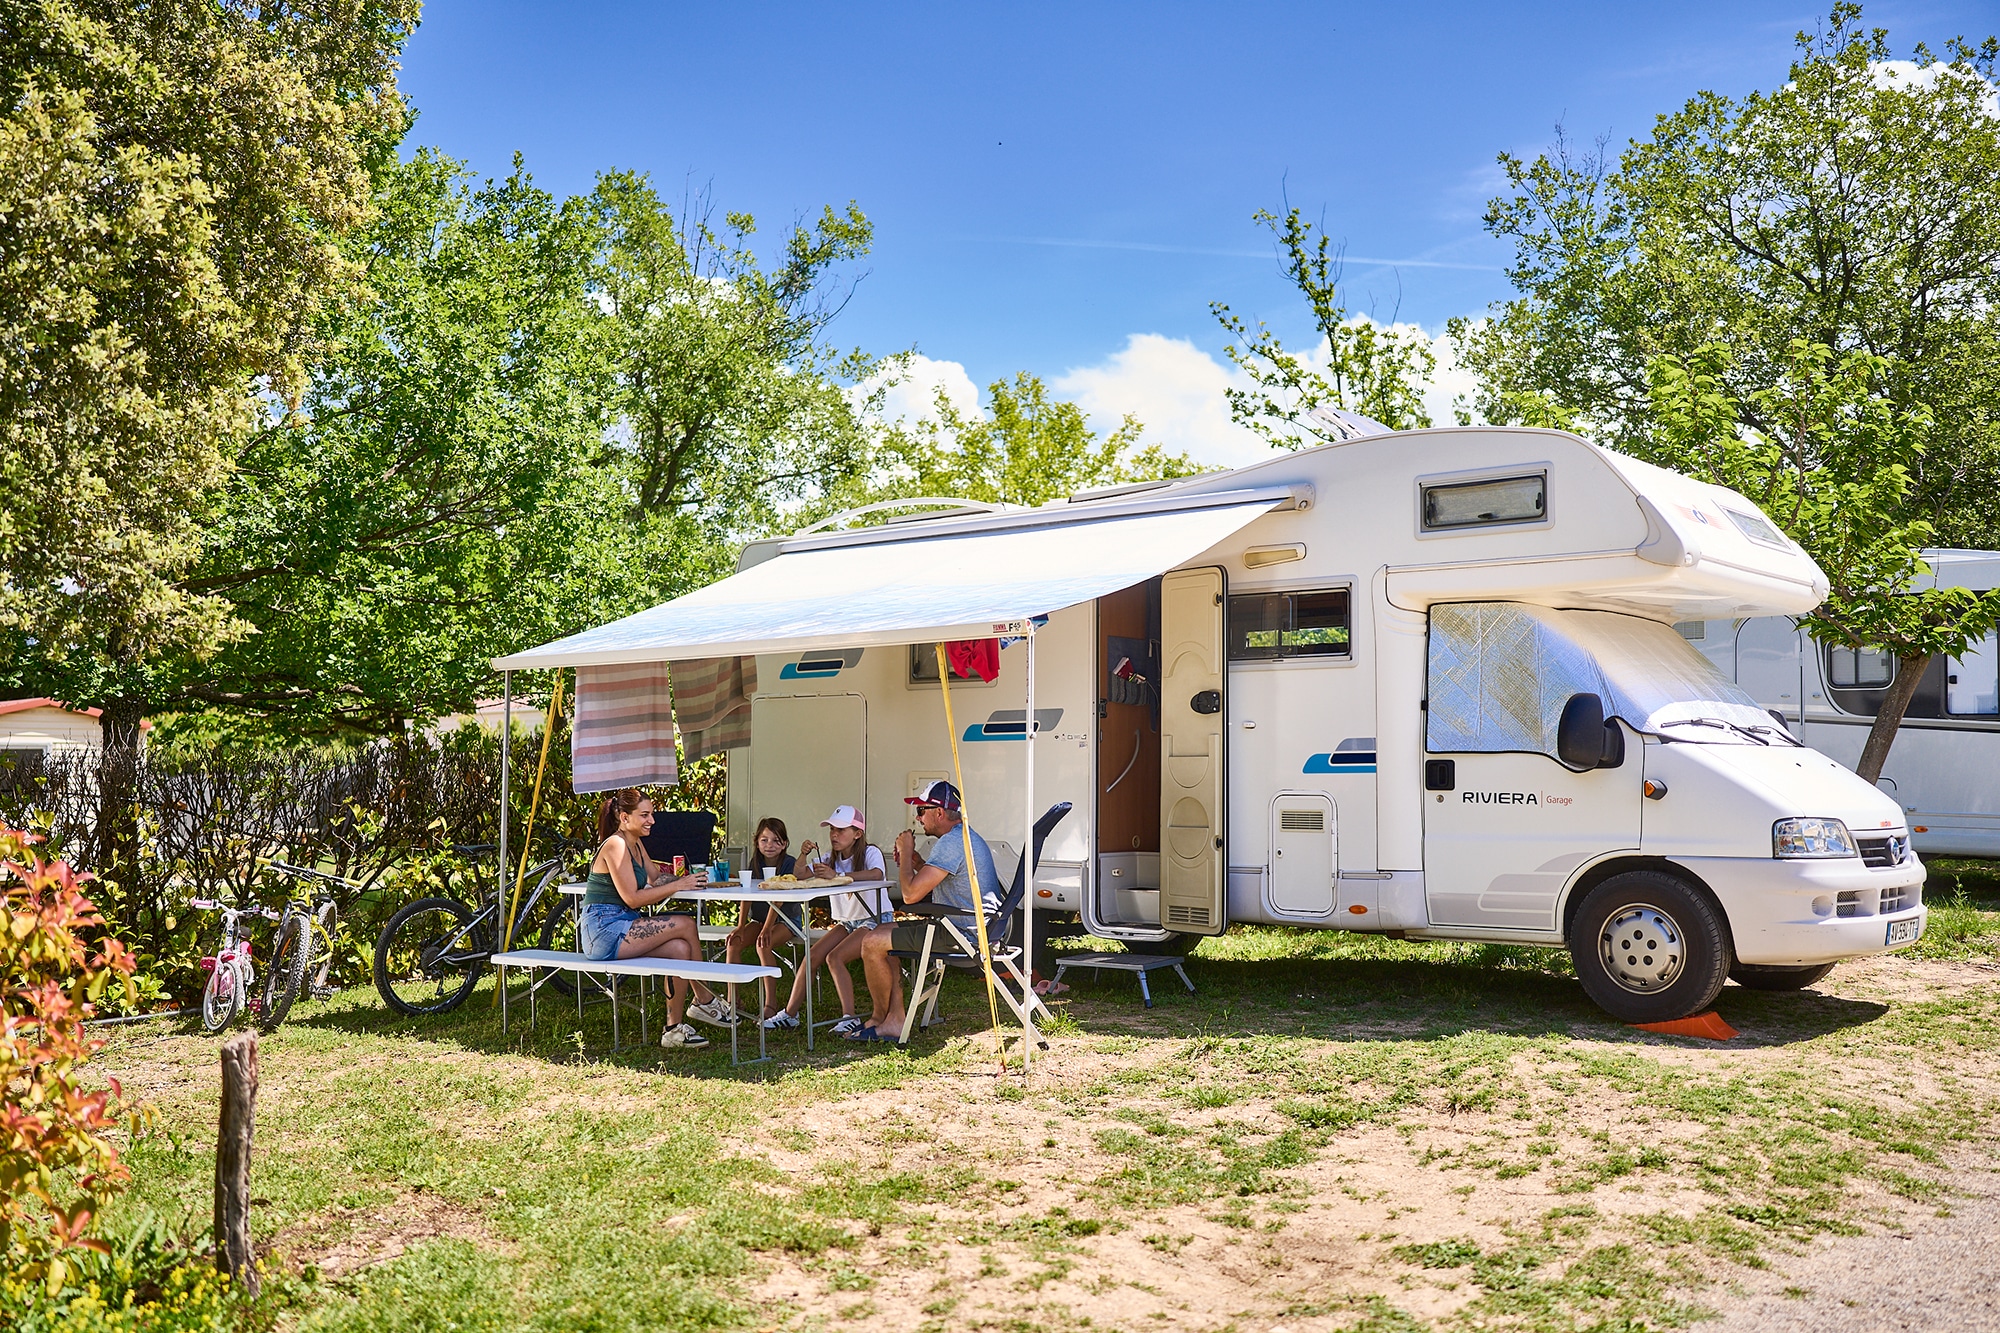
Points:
x=949 y=856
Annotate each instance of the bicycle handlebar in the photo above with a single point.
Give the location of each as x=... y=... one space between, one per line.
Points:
x=254 y=909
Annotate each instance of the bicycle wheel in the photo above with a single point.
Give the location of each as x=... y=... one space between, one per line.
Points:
x=429 y=957
x=218 y=996
x=319 y=951
x=287 y=972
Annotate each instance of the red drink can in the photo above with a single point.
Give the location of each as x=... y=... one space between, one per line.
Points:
x=680 y=866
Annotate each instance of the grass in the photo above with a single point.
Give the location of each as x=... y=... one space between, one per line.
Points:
x=431 y=1174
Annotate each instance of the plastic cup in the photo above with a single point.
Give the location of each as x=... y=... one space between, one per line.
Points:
x=746 y=879
x=770 y=872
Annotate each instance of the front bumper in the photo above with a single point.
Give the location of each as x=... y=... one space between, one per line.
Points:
x=1801 y=913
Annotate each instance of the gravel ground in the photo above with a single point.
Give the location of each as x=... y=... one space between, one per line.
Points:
x=1936 y=1273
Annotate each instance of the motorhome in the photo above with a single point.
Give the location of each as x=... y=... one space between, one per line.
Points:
x=1426 y=684
x=1944 y=767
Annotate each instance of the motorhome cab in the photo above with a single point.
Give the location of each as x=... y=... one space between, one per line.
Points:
x=1944 y=769
x=1423 y=683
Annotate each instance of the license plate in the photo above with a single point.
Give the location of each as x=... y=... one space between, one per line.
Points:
x=1902 y=932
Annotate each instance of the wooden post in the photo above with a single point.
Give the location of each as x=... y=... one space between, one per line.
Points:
x=232 y=1160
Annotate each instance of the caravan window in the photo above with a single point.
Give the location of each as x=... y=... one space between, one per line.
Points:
x=1473 y=504
x=1972 y=682
x=1850 y=668
x=1268 y=627
x=924 y=669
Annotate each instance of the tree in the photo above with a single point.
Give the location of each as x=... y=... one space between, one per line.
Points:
x=173 y=181
x=729 y=401
x=1375 y=370
x=1828 y=253
x=1835 y=470
x=1026 y=449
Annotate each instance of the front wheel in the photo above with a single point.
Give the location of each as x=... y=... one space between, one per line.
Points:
x=1778 y=978
x=289 y=957
x=1649 y=947
x=428 y=957
x=218 y=996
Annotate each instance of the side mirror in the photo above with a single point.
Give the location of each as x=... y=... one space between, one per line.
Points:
x=1584 y=740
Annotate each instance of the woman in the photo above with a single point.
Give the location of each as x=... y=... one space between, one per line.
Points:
x=623 y=879
x=757 y=922
x=854 y=914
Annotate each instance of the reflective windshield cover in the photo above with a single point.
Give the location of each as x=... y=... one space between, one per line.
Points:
x=1500 y=673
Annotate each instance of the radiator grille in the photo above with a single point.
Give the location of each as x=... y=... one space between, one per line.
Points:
x=1898 y=900
x=1302 y=821
x=1881 y=853
x=1187 y=916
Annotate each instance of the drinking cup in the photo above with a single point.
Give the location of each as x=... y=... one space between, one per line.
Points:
x=770 y=872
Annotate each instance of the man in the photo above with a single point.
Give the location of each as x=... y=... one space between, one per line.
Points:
x=946 y=877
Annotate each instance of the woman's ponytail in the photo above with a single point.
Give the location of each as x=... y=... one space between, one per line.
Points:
x=622 y=802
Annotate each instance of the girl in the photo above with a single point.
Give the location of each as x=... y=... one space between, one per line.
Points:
x=854 y=915
x=624 y=879
x=757 y=922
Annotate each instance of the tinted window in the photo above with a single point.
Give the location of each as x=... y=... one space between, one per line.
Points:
x=1474 y=504
x=1850 y=668
x=1264 y=627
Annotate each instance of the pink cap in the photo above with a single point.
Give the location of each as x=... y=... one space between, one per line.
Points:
x=845 y=816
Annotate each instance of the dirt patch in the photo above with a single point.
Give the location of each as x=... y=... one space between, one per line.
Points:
x=342 y=1241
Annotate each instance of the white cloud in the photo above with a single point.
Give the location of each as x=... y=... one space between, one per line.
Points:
x=1176 y=391
x=912 y=391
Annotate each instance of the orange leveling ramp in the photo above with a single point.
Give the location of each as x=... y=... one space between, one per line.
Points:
x=1709 y=1025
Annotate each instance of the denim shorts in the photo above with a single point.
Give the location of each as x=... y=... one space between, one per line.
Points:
x=601 y=929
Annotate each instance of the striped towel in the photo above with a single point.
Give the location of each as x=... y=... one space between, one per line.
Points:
x=623 y=734
x=712 y=697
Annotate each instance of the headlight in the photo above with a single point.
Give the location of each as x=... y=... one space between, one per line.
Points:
x=1809 y=837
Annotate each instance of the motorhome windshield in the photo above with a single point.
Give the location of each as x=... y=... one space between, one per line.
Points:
x=1500 y=673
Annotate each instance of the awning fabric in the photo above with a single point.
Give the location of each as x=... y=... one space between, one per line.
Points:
x=913 y=590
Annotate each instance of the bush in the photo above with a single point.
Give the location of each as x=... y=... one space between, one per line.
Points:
x=146 y=1279
x=58 y=1163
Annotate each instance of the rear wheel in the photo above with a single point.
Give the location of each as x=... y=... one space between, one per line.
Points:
x=218 y=997
x=1649 y=947
x=428 y=957
x=290 y=955
x=1777 y=978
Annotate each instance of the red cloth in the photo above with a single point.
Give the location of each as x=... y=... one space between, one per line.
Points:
x=975 y=657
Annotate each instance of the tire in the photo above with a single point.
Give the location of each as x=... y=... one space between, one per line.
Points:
x=1171 y=946
x=426 y=962
x=319 y=961
x=1650 y=948
x=218 y=997
x=1778 y=978
x=290 y=954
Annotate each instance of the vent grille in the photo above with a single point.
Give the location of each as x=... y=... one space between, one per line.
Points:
x=1898 y=900
x=1882 y=853
x=1187 y=916
x=1849 y=904
x=1302 y=821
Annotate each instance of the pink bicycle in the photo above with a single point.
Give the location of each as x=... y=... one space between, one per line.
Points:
x=226 y=989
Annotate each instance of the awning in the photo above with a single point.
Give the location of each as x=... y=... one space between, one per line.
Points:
x=894 y=589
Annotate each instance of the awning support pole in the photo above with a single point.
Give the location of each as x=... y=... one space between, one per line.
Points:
x=971 y=866
x=1028 y=1034
x=506 y=765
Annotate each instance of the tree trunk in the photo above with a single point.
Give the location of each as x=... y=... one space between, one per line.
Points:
x=1909 y=674
x=232 y=1161
x=115 y=850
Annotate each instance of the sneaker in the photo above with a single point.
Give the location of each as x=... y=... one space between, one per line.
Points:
x=848 y=1023
x=779 y=1020
x=684 y=1035
x=716 y=1011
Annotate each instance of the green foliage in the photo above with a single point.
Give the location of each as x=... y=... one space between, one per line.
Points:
x=1027 y=448
x=1377 y=371
x=173 y=178
x=146 y=1280
x=59 y=1158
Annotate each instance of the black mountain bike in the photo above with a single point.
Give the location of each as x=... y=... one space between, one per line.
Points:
x=429 y=957
x=302 y=951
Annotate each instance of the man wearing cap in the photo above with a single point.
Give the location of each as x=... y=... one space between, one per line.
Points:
x=945 y=877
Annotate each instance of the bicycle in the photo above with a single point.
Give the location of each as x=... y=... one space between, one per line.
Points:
x=428 y=958
x=303 y=944
x=230 y=971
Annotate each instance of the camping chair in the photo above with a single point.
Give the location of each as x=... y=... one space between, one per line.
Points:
x=961 y=949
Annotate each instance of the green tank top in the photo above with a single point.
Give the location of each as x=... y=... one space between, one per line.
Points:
x=598 y=888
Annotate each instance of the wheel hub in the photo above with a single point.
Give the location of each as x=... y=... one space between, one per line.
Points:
x=1643 y=949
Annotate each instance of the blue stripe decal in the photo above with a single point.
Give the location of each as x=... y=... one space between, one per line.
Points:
x=1342 y=761
x=810 y=670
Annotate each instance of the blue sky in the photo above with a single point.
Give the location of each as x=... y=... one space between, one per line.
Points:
x=1065 y=188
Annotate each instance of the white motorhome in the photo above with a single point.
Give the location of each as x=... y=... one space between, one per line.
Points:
x=1425 y=684
x=1944 y=768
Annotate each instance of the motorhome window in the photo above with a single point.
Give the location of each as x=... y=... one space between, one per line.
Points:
x=1972 y=682
x=1859 y=668
x=1268 y=627
x=1756 y=529
x=1475 y=504
x=923 y=667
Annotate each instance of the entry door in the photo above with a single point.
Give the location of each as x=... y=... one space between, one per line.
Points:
x=1304 y=854
x=1509 y=831
x=1193 y=765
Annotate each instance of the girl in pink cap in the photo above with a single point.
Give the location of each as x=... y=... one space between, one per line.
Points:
x=855 y=913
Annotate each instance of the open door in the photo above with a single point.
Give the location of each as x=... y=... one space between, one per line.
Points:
x=1194 y=764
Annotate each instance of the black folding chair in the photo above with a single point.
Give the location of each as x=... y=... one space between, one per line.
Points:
x=960 y=948
x=688 y=833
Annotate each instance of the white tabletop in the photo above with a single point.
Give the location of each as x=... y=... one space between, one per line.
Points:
x=757 y=893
